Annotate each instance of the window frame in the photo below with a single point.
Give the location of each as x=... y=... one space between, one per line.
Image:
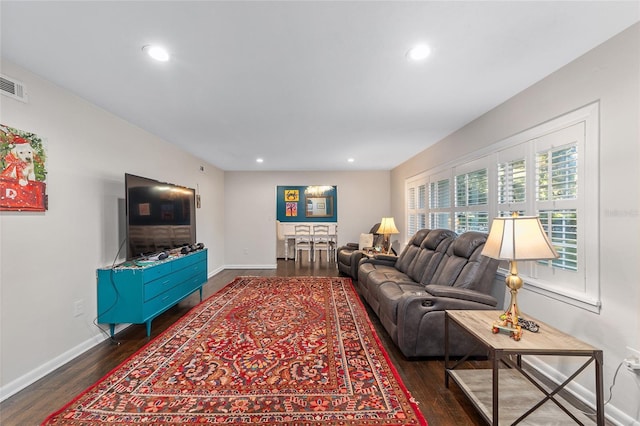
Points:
x=586 y=293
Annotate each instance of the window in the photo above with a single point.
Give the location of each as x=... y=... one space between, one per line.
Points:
x=471 y=199
x=539 y=172
x=557 y=182
x=416 y=207
x=440 y=202
x=562 y=227
x=512 y=180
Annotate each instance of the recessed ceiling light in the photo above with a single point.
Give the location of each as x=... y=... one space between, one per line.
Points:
x=158 y=53
x=259 y=160
x=419 y=52
x=351 y=160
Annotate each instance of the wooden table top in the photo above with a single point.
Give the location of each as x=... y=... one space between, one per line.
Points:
x=547 y=340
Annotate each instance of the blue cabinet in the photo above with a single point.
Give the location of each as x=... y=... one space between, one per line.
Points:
x=137 y=294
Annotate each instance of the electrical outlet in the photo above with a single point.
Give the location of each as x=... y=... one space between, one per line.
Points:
x=78 y=308
x=632 y=361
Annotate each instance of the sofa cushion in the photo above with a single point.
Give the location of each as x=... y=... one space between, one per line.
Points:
x=408 y=255
x=459 y=266
x=467 y=243
x=433 y=248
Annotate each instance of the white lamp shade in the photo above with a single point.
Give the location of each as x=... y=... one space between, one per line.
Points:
x=518 y=238
x=387 y=226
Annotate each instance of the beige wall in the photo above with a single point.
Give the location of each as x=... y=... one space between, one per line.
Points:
x=610 y=74
x=49 y=259
x=250 y=209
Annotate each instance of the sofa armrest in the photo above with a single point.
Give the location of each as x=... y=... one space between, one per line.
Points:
x=387 y=257
x=353 y=246
x=380 y=259
x=420 y=324
x=461 y=294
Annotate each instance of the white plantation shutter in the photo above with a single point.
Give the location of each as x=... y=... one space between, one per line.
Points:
x=421 y=215
x=472 y=198
x=440 y=202
x=558 y=203
x=512 y=182
x=557 y=174
x=562 y=228
x=416 y=207
x=538 y=172
x=411 y=198
x=439 y=196
x=411 y=211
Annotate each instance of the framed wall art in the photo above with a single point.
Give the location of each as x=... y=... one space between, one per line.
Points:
x=23 y=171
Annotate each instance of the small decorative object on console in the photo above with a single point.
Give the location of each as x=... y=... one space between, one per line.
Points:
x=528 y=325
x=505 y=325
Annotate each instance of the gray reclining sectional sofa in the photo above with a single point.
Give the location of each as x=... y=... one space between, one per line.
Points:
x=437 y=270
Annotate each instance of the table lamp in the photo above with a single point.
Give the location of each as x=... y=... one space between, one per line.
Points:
x=517 y=238
x=387 y=227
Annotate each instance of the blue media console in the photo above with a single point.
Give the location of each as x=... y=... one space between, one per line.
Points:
x=137 y=292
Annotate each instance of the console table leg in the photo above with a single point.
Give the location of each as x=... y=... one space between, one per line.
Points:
x=446 y=349
x=148 y=328
x=495 y=398
x=599 y=389
x=112 y=329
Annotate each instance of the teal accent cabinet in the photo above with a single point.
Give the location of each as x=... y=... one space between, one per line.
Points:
x=137 y=292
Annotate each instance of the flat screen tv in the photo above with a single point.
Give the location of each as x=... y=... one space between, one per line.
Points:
x=160 y=216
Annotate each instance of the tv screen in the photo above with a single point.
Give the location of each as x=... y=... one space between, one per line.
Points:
x=160 y=216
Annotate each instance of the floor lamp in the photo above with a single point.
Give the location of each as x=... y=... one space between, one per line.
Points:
x=517 y=238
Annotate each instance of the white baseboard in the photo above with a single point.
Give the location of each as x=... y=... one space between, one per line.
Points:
x=215 y=271
x=272 y=266
x=36 y=374
x=614 y=415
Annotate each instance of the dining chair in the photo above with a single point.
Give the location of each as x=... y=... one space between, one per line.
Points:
x=303 y=240
x=322 y=241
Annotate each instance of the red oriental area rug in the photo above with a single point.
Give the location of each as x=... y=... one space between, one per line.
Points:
x=262 y=351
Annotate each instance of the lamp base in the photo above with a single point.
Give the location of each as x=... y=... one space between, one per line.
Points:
x=387 y=244
x=508 y=321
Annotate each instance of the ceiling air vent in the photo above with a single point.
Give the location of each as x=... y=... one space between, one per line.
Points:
x=13 y=88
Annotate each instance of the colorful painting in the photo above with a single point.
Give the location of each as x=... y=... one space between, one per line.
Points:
x=291 y=209
x=23 y=175
x=292 y=195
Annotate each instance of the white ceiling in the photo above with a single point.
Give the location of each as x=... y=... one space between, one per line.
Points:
x=303 y=84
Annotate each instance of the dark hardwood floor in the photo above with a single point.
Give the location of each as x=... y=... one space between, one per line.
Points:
x=423 y=378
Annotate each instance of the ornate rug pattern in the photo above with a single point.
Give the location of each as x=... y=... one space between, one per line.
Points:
x=263 y=350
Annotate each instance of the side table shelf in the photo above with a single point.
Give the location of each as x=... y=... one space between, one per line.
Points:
x=138 y=294
x=510 y=395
